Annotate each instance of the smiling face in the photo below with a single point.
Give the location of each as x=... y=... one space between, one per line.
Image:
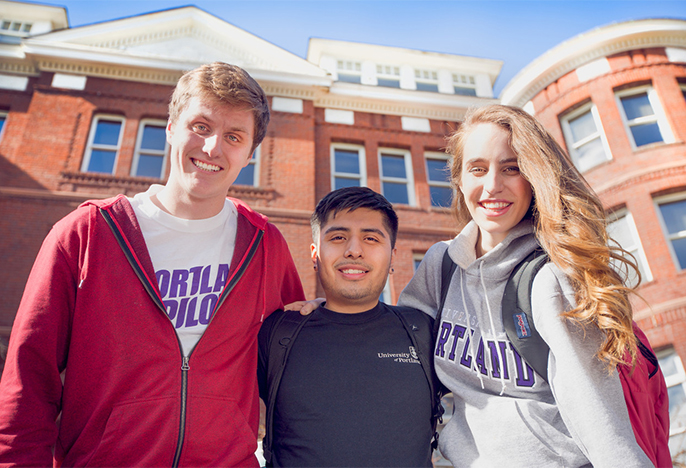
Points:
x=210 y=144
x=353 y=257
x=496 y=194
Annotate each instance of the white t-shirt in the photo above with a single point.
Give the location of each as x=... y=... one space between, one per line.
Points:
x=191 y=258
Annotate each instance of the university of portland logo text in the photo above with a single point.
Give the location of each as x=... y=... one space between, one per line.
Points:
x=409 y=357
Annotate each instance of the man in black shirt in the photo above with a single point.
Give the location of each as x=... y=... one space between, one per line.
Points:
x=353 y=391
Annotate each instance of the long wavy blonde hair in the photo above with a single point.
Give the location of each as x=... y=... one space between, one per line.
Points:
x=570 y=225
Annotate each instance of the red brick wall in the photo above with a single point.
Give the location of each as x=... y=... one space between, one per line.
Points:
x=47 y=131
x=634 y=177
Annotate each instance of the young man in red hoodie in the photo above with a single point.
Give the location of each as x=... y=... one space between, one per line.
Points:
x=138 y=326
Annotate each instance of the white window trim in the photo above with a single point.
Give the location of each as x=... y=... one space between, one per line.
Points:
x=345 y=175
x=436 y=155
x=139 y=139
x=457 y=81
x=572 y=146
x=91 y=136
x=356 y=69
x=675 y=380
x=386 y=296
x=392 y=76
x=667 y=236
x=640 y=253
x=409 y=181
x=423 y=79
x=658 y=114
x=6 y=115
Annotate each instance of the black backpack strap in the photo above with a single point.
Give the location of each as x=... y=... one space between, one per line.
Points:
x=417 y=326
x=517 y=316
x=447 y=270
x=281 y=338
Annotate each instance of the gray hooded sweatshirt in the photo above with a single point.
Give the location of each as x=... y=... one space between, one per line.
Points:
x=505 y=414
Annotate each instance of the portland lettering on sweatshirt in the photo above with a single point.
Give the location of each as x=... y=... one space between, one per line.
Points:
x=191 y=295
x=490 y=358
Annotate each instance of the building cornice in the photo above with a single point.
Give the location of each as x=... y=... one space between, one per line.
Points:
x=586 y=47
x=389 y=101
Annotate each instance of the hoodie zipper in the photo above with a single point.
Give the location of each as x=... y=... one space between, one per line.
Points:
x=152 y=292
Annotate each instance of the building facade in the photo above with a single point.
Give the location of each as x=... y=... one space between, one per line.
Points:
x=615 y=98
x=83 y=112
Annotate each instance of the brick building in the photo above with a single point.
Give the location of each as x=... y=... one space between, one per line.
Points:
x=615 y=98
x=83 y=112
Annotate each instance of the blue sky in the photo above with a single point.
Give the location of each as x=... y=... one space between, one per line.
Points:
x=513 y=31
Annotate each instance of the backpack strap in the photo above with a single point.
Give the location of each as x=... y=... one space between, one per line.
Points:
x=281 y=338
x=447 y=270
x=517 y=317
x=415 y=323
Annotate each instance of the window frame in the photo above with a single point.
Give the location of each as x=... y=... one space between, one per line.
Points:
x=409 y=178
x=91 y=136
x=637 y=250
x=658 y=201
x=255 y=159
x=420 y=76
x=436 y=155
x=362 y=176
x=382 y=73
x=572 y=146
x=5 y=115
x=658 y=116
x=469 y=82
x=355 y=70
x=139 y=140
x=673 y=380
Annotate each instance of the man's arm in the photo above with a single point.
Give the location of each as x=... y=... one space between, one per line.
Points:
x=31 y=387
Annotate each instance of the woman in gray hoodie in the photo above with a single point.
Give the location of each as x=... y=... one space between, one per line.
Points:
x=516 y=190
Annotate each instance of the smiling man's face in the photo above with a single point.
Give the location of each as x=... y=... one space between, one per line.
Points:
x=210 y=144
x=353 y=257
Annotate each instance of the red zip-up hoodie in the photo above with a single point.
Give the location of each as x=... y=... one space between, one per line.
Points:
x=94 y=319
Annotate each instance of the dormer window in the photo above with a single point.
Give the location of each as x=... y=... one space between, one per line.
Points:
x=349 y=71
x=426 y=80
x=18 y=28
x=388 y=76
x=464 y=85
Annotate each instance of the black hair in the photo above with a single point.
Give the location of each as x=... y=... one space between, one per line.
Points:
x=350 y=199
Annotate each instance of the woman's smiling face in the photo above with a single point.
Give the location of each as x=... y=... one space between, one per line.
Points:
x=496 y=194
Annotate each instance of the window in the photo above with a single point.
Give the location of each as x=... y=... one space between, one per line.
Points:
x=396 y=175
x=151 y=147
x=673 y=213
x=350 y=72
x=427 y=80
x=416 y=260
x=249 y=175
x=643 y=117
x=347 y=166
x=464 y=85
x=438 y=177
x=385 y=296
x=3 y=119
x=103 y=144
x=15 y=27
x=388 y=76
x=675 y=377
x=623 y=230
x=585 y=137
